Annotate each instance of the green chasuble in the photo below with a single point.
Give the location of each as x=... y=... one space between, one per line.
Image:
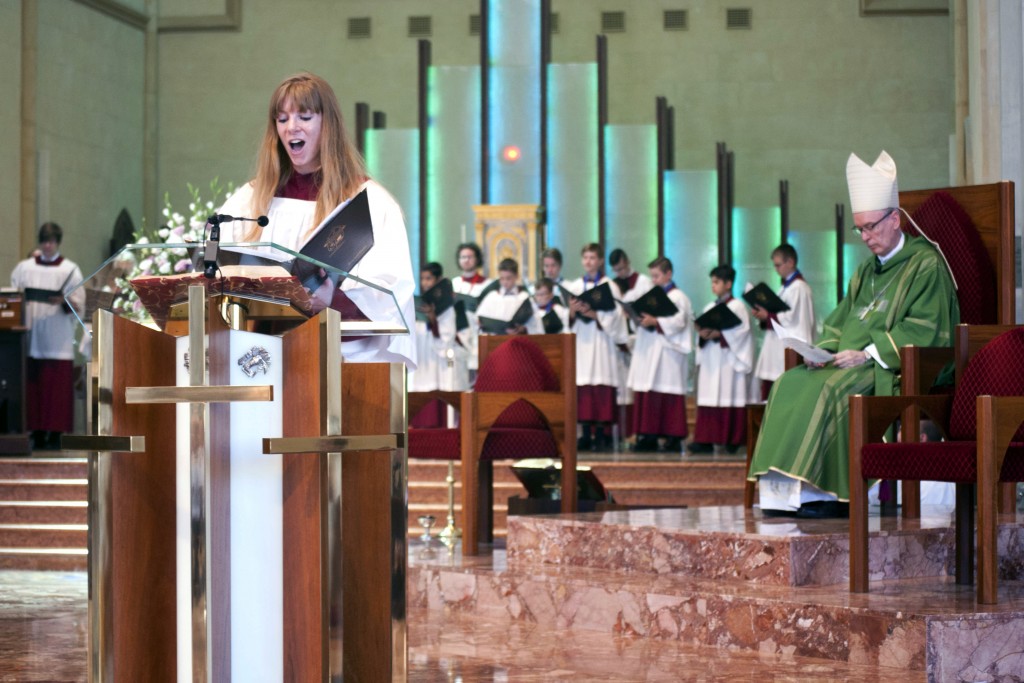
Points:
x=909 y=300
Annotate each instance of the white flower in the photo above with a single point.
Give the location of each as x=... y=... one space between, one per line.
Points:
x=164 y=233
x=165 y=268
x=146 y=265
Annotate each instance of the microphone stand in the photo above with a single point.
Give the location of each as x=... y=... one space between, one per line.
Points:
x=211 y=247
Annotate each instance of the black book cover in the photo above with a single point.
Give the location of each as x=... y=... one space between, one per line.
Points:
x=441 y=296
x=341 y=243
x=720 y=317
x=44 y=295
x=552 y=323
x=764 y=297
x=655 y=303
x=461 y=319
x=599 y=298
x=520 y=317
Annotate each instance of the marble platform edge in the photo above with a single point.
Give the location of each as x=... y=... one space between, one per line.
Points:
x=876 y=629
x=815 y=553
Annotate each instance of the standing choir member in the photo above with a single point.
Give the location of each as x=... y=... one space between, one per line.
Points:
x=632 y=285
x=903 y=294
x=798 y=321
x=503 y=302
x=307 y=169
x=658 y=374
x=545 y=303
x=471 y=282
x=597 y=335
x=49 y=371
x=441 y=359
x=725 y=358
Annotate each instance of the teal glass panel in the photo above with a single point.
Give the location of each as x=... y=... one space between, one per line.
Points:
x=816 y=259
x=514 y=100
x=572 y=160
x=453 y=168
x=392 y=157
x=691 y=236
x=755 y=232
x=631 y=170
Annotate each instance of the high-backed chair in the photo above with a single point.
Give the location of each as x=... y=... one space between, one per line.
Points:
x=523 y=406
x=982 y=421
x=974 y=227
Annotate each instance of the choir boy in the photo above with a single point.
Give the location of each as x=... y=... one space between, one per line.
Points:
x=473 y=283
x=658 y=373
x=504 y=302
x=725 y=358
x=797 y=322
x=632 y=284
x=548 y=309
x=441 y=359
x=598 y=332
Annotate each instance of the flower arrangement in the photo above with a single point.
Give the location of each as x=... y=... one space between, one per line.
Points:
x=177 y=229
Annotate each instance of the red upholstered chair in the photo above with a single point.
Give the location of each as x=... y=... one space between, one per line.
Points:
x=523 y=406
x=429 y=438
x=974 y=227
x=982 y=421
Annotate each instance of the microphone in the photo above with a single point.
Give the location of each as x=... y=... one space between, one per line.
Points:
x=219 y=218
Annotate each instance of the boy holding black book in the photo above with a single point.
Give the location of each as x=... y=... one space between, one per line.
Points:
x=658 y=373
x=442 y=360
x=599 y=325
x=507 y=308
x=725 y=358
x=797 y=319
x=548 y=309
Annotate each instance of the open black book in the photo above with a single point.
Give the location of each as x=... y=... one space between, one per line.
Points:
x=761 y=295
x=520 y=317
x=471 y=303
x=461 y=319
x=719 y=318
x=552 y=323
x=599 y=299
x=341 y=243
x=654 y=303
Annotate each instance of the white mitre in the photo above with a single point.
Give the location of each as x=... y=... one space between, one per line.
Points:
x=872 y=188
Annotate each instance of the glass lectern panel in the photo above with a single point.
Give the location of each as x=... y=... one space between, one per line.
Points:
x=149 y=283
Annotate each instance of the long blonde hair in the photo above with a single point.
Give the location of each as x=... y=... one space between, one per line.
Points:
x=342 y=169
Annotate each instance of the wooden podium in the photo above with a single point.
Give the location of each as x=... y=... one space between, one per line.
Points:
x=244 y=527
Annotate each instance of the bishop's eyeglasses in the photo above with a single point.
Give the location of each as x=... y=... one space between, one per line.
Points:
x=870 y=227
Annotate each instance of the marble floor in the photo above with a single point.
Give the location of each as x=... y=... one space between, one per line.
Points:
x=43 y=639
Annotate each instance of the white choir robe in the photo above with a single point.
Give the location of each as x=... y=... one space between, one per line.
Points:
x=798 y=322
x=725 y=371
x=468 y=336
x=661 y=359
x=536 y=324
x=624 y=396
x=501 y=305
x=388 y=264
x=442 y=360
x=596 y=353
x=51 y=327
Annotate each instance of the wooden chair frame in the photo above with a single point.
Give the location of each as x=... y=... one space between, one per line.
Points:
x=998 y=420
x=991 y=209
x=480 y=410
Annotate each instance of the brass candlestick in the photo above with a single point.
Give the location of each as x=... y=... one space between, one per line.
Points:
x=450 y=533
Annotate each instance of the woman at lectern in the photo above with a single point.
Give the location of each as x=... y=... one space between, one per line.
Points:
x=307 y=169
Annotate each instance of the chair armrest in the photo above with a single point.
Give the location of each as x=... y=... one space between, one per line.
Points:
x=419 y=399
x=792 y=359
x=921 y=365
x=999 y=418
x=871 y=416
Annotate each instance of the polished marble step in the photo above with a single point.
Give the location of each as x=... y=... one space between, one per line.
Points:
x=917 y=629
x=44 y=512
x=44 y=489
x=43 y=536
x=50 y=559
x=734 y=544
x=43 y=468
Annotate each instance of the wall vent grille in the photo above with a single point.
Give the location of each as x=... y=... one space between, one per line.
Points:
x=359 y=27
x=676 y=20
x=613 y=22
x=739 y=18
x=420 y=27
x=474 y=24
x=553 y=19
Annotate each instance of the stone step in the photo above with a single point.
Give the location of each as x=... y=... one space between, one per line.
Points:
x=51 y=559
x=43 y=536
x=43 y=468
x=44 y=512
x=44 y=489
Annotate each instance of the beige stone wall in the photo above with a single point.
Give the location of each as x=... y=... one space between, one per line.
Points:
x=10 y=138
x=812 y=81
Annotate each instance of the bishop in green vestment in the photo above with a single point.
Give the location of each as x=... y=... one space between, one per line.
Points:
x=903 y=294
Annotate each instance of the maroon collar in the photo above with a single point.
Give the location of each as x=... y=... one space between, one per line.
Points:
x=475 y=280
x=55 y=262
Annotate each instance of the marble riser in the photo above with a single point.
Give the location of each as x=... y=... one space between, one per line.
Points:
x=759 y=555
x=824 y=623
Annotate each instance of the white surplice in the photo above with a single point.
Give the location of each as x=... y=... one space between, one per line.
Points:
x=661 y=358
x=798 y=322
x=724 y=371
x=596 y=353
